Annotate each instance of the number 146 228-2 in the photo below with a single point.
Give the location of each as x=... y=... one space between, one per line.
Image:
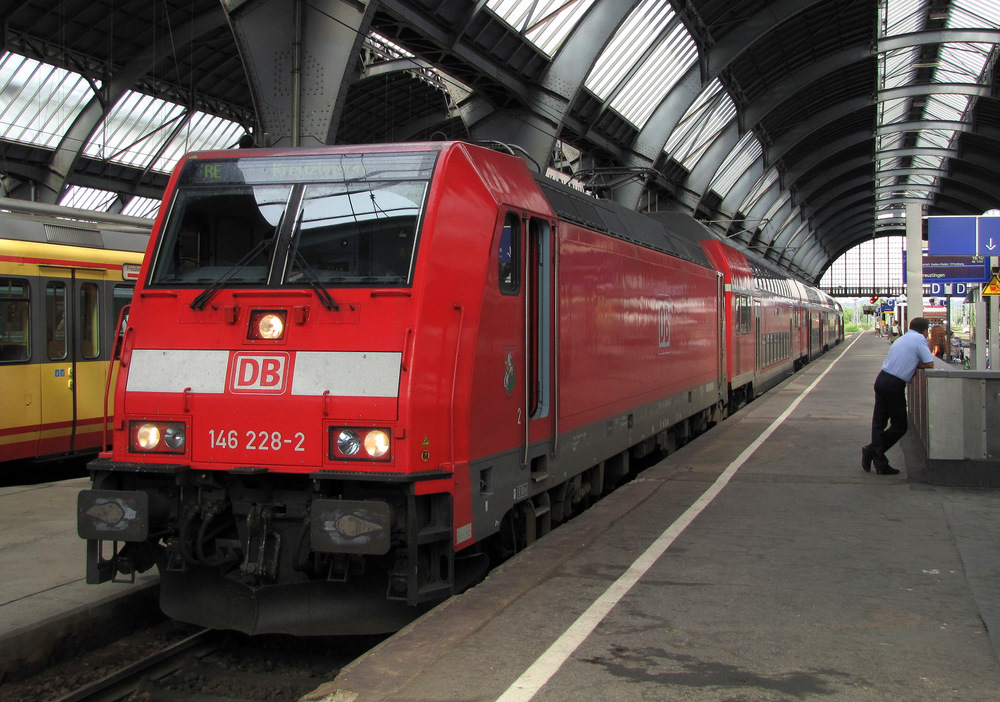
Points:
x=256 y=440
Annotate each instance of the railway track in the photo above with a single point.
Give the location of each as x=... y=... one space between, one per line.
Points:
x=213 y=666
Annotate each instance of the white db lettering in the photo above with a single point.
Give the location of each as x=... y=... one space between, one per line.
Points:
x=259 y=373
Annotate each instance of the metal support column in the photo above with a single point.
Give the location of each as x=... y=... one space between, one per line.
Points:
x=994 y=321
x=914 y=260
x=300 y=59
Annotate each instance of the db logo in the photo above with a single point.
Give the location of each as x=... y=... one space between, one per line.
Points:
x=259 y=373
x=663 y=324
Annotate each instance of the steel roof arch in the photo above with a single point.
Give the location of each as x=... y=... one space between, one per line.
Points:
x=771 y=57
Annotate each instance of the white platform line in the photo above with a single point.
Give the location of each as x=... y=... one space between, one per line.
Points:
x=532 y=680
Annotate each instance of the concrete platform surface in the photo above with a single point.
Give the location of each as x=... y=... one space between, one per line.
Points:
x=746 y=566
x=46 y=607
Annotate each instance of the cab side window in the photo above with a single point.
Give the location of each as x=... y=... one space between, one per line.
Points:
x=510 y=255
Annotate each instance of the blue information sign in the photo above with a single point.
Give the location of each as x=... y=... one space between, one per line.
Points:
x=989 y=236
x=952 y=269
x=963 y=236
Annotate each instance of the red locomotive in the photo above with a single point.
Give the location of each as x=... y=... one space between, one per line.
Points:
x=353 y=375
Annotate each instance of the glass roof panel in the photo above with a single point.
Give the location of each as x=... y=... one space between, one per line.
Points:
x=928 y=161
x=904 y=16
x=897 y=66
x=545 y=23
x=202 y=132
x=147 y=132
x=893 y=110
x=135 y=131
x=961 y=63
x=87 y=198
x=971 y=14
x=38 y=102
x=935 y=138
x=142 y=207
x=628 y=46
x=385 y=47
x=760 y=187
x=739 y=160
x=646 y=87
x=772 y=211
x=951 y=62
x=701 y=124
x=889 y=141
x=946 y=106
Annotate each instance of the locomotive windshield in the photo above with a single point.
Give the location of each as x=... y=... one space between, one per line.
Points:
x=330 y=220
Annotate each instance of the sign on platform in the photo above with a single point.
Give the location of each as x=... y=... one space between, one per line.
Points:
x=948 y=289
x=952 y=269
x=963 y=236
x=992 y=287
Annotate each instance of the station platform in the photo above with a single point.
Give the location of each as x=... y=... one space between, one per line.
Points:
x=759 y=562
x=47 y=610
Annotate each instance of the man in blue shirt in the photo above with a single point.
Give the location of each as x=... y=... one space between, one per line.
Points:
x=907 y=353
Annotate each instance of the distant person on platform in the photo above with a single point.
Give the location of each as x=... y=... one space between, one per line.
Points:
x=907 y=353
x=938 y=341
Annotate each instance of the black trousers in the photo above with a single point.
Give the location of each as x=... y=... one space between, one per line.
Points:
x=890 y=409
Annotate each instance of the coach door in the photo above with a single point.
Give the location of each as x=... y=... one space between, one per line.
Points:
x=539 y=334
x=758 y=340
x=72 y=382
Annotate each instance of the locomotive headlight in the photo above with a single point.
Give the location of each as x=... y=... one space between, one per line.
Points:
x=267 y=325
x=376 y=443
x=348 y=442
x=360 y=444
x=270 y=326
x=173 y=437
x=148 y=437
x=157 y=437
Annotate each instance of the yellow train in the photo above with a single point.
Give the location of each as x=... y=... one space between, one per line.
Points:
x=65 y=276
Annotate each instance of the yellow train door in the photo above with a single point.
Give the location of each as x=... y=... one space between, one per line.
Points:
x=72 y=371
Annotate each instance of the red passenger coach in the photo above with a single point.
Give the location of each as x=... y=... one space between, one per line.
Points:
x=741 y=312
x=354 y=376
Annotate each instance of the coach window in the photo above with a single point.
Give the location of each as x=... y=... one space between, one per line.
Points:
x=90 y=321
x=510 y=255
x=14 y=320
x=55 y=320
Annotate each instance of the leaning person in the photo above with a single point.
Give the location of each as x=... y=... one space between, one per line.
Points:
x=907 y=353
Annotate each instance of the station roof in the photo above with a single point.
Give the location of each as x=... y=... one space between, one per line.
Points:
x=794 y=128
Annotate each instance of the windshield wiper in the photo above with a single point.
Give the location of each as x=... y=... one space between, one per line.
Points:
x=322 y=293
x=205 y=295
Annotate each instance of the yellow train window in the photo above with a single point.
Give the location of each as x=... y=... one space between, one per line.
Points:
x=55 y=320
x=90 y=321
x=15 y=321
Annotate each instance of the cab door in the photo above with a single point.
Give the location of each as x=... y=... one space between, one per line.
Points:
x=540 y=350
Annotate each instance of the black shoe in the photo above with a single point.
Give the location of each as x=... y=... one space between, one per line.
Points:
x=888 y=470
x=866 y=459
